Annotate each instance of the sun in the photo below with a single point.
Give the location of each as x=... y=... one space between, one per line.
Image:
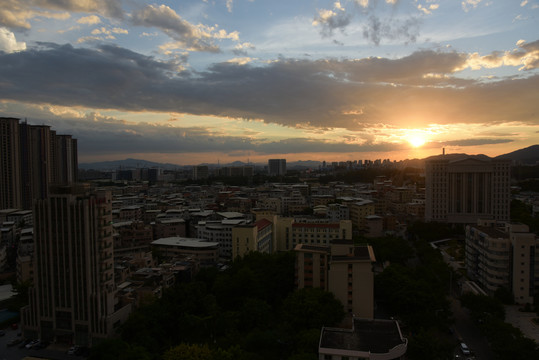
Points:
x=416 y=140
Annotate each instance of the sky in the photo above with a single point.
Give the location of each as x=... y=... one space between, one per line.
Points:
x=202 y=81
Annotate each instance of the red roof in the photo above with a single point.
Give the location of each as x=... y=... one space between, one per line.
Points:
x=262 y=223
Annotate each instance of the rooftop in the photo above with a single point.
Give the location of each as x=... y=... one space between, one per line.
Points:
x=492 y=232
x=374 y=336
x=185 y=242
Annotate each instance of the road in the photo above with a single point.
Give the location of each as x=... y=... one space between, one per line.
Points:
x=468 y=332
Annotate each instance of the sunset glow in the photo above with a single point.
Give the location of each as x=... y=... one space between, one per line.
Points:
x=417 y=141
x=199 y=81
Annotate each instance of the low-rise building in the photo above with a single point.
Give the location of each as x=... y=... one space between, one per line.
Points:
x=207 y=252
x=293 y=231
x=367 y=339
x=252 y=237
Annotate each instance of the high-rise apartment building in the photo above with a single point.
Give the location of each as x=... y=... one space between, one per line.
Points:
x=73 y=299
x=277 y=167
x=463 y=189
x=33 y=157
x=10 y=164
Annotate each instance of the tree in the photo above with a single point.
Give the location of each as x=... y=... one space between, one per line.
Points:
x=310 y=308
x=189 y=352
x=116 y=349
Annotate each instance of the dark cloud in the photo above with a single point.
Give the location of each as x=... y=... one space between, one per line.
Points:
x=330 y=21
x=476 y=142
x=100 y=135
x=418 y=89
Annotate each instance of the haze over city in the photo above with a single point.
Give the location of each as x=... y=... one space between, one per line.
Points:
x=207 y=81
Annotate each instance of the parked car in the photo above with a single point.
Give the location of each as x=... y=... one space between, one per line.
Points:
x=14 y=342
x=465 y=349
x=24 y=343
x=73 y=350
x=40 y=345
x=31 y=344
x=2 y=333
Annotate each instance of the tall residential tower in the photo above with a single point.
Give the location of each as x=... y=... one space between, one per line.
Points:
x=32 y=158
x=73 y=299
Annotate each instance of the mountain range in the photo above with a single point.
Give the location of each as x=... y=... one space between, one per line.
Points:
x=529 y=155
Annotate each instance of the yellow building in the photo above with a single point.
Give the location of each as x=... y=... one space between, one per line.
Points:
x=252 y=237
x=341 y=268
x=359 y=210
x=292 y=231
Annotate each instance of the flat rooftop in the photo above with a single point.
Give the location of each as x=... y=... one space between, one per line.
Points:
x=176 y=241
x=375 y=336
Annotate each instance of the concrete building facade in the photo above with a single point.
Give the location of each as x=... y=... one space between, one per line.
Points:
x=257 y=236
x=277 y=167
x=500 y=254
x=341 y=268
x=73 y=298
x=463 y=189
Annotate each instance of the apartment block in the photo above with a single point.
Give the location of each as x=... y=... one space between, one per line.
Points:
x=277 y=167
x=500 y=254
x=359 y=211
x=257 y=236
x=10 y=164
x=463 y=189
x=73 y=300
x=293 y=231
x=341 y=268
x=32 y=158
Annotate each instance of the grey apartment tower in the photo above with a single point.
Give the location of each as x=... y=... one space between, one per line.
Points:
x=72 y=300
x=32 y=158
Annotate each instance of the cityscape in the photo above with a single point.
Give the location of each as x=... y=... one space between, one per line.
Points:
x=259 y=180
x=86 y=252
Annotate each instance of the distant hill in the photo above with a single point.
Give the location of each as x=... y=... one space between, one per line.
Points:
x=138 y=163
x=126 y=164
x=529 y=155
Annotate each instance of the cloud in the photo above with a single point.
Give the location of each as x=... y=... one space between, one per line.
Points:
x=468 y=5
x=89 y=20
x=241 y=49
x=8 y=43
x=186 y=35
x=330 y=20
x=229 y=5
x=240 y=61
x=16 y=14
x=392 y=29
x=322 y=94
x=526 y=55
x=106 y=31
x=429 y=9
x=98 y=134
x=363 y=3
